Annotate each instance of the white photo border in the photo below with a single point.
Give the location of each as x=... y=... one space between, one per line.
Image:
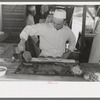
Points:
x=41 y=89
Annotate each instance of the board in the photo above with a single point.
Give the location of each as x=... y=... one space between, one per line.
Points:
x=45 y=60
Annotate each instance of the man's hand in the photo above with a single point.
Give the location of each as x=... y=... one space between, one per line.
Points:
x=21 y=45
x=27 y=56
x=66 y=54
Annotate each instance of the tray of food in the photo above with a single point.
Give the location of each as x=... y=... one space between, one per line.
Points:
x=85 y=71
x=63 y=69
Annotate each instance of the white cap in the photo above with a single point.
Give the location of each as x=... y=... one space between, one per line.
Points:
x=31 y=8
x=60 y=14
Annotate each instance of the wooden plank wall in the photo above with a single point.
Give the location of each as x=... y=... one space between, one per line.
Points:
x=13 y=18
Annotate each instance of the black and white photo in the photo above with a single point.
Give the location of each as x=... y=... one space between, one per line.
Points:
x=50 y=42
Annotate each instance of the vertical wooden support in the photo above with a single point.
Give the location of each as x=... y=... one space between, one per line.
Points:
x=0 y=17
x=83 y=28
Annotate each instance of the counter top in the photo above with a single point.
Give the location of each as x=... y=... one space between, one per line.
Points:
x=11 y=76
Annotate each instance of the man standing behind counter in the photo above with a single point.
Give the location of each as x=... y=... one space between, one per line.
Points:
x=53 y=36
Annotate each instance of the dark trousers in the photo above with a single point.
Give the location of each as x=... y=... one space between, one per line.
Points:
x=32 y=47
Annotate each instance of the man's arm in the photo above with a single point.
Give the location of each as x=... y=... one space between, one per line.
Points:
x=66 y=54
x=71 y=46
x=30 y=30
x=21 y=45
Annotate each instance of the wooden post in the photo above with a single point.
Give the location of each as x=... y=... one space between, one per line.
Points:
x=0 y=17
x=83 y=28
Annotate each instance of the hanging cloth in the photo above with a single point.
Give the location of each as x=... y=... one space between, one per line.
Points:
x=30 y=20
x=95 y=49
x=44 y=11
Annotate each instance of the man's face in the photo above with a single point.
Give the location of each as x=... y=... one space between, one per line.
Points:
x=58 y=23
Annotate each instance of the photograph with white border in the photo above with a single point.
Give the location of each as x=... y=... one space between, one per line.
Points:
x=50 y=47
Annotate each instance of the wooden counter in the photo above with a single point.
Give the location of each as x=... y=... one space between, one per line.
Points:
x=11 y=76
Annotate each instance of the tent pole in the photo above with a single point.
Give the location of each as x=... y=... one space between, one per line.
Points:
x=83 y=28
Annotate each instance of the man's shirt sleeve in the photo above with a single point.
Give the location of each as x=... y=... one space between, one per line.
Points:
x=31 y=30
x=72 y=41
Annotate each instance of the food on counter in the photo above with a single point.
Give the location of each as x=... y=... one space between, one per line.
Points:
x=58 y=69
x=76 y=70
x=1 y=33
x=51 y=69
x=8 y=60
x=1 y=49
x=45 y=67
x=27 y=56
x=93 y=76
x=86 y=76
x=5 y=62
x=2 y=60
x=2 y=70
x=51 y=72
